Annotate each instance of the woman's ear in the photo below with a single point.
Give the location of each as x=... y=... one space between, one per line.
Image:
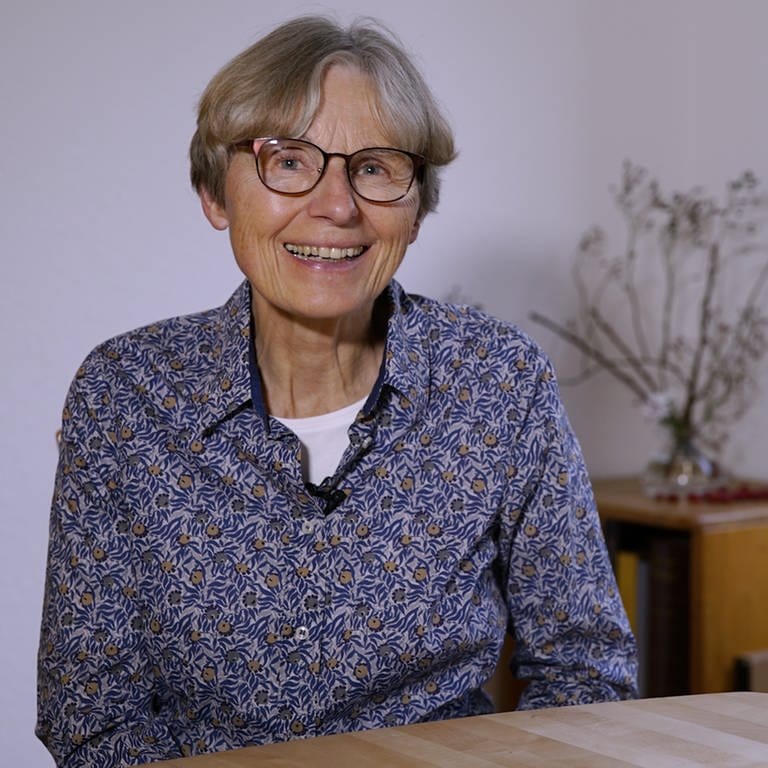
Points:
x=214 y=212
x=415 y=230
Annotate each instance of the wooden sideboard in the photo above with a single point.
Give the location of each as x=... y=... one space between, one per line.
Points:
x=708 y=564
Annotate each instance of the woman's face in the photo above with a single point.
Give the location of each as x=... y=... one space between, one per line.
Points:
x=270 y=232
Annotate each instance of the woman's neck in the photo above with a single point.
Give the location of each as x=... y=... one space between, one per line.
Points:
x=310 y=368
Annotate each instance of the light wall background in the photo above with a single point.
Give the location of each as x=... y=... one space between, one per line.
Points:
x=100 y=233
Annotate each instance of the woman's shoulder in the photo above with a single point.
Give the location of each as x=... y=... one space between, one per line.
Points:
x=466 y=327
x=189 y=342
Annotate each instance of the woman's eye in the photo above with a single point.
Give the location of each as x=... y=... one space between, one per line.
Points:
x=371 y=169
x=289 y=163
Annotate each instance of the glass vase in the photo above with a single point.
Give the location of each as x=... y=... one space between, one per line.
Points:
x=682 y=470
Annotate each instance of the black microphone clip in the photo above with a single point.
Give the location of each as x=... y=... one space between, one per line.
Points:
x=331 y=497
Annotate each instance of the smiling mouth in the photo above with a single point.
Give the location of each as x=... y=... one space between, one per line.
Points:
x=323 y=253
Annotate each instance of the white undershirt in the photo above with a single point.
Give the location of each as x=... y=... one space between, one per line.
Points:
x=323 y=440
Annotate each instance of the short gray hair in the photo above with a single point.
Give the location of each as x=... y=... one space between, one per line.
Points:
x=273 y=88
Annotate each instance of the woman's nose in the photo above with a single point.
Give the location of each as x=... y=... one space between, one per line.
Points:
x=333 y=197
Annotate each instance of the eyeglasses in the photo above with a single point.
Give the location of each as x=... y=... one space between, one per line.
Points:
x=295 y=166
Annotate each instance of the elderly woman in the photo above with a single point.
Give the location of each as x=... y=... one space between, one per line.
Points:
x=322 y=506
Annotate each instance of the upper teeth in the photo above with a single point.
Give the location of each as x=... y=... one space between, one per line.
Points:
x=324 y=253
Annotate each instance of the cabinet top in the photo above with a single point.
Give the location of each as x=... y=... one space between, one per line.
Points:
x=622 y=498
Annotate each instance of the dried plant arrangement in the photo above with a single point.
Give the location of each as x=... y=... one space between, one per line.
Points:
x=677 y=316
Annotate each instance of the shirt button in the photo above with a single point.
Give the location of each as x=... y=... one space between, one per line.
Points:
x=307 y=527
x=302 y=633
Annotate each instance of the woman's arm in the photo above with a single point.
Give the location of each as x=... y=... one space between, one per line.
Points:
x=573 y=640
x=98 y=696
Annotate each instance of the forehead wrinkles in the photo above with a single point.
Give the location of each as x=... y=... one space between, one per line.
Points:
x=348 y=115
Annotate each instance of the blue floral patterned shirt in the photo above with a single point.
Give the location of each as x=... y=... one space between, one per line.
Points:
x=200 y=596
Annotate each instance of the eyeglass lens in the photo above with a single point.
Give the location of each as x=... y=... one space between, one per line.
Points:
x=295 y=166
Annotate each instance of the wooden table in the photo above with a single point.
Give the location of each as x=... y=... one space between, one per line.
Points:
x=723 y=561
x=727 y=730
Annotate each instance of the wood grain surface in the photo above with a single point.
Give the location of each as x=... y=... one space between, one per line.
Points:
x=727 y=730
x=622 y=498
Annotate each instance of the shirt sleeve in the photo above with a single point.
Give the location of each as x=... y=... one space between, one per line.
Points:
x=99 y=699
x=573 y=641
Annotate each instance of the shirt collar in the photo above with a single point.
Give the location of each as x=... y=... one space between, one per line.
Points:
x=226 y=388
x=406 y=364
x=234 y=383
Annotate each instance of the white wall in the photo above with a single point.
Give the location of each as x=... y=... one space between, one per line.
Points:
x=99 y=231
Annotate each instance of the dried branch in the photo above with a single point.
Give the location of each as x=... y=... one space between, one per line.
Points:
x=688 y=243
x=705 y=319
x=592 y=352
x=633 y=361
